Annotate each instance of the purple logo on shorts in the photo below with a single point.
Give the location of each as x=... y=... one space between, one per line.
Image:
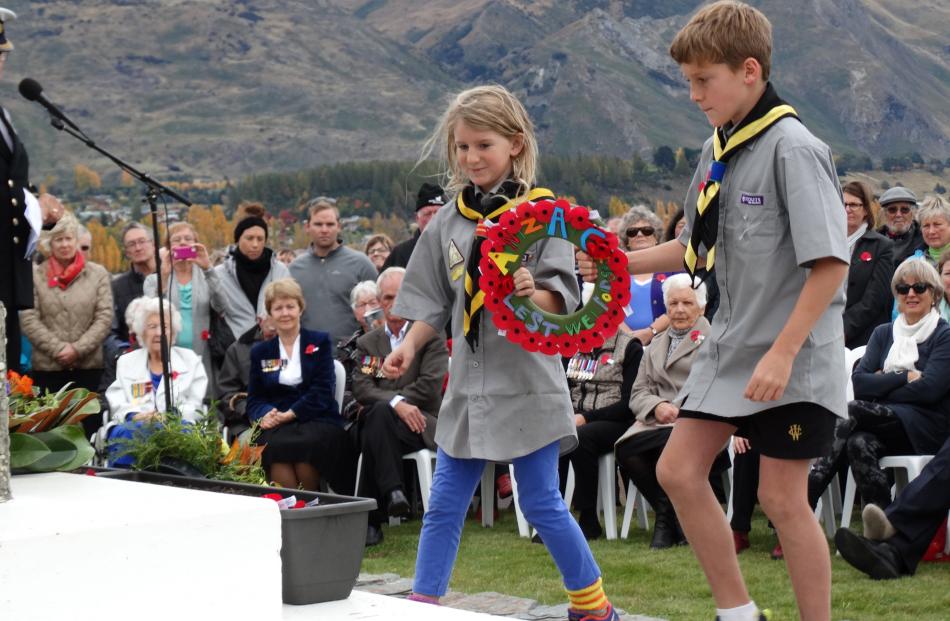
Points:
x=752 y=199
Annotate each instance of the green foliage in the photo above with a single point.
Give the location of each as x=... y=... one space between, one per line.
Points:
x=45 y=436
x=198 y=444
x=660 y=583
x=390 y=186
x=663 y=157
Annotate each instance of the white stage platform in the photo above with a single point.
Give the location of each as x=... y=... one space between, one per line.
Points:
x=80 y=548
x=364 y=606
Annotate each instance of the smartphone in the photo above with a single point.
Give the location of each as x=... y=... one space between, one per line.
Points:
x=184 y=252
x=372 y=315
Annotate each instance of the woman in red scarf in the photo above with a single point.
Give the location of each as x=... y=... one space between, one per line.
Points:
x=71 y=314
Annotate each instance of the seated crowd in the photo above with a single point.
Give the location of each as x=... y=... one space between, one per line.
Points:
x=258 y=332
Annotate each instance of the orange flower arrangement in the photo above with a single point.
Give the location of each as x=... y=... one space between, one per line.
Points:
x=20 y=384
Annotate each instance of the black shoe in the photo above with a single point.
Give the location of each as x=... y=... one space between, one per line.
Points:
x=878 y=559
x=590 y=525
x=374 y=535
x=398 y=505
x=666 y=529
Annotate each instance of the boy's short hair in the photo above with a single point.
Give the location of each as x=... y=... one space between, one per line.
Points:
x=725 y=32
x=317 y=205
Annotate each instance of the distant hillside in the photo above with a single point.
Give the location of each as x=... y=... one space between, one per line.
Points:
x=232 y=88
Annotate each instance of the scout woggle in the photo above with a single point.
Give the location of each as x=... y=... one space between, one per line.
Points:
x=521 y=320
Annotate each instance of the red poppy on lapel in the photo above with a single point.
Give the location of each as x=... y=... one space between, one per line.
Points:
x=175 y=375
x=660 y=277
x=311 y=348
x=866 y=256
x=205 y=335
x=696 y=336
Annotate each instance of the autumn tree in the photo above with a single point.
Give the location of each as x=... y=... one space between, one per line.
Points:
x=86 y=178
x=105 y=247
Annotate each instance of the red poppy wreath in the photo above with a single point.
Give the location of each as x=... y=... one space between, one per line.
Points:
x=522 y=321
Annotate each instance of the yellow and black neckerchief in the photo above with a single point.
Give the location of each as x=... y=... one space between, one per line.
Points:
x=489 y=207
x=769 y=110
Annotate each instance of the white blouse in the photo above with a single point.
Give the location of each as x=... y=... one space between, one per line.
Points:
x=290 y=373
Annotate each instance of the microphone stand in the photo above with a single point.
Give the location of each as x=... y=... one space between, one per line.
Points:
x=153 y=189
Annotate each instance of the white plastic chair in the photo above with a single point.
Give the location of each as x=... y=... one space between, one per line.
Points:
x=851 y=356
x=425 y=465
x=607 y=492
x=635 y=502
x=340 y=373
x=907 y=468
x=488 y=498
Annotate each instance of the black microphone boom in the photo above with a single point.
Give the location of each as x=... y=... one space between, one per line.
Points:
x=31 y=90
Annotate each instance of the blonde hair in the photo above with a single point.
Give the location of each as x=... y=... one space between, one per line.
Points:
x=933 y=207
x=725 y=32
x=66 y=225
x=283 y=288
x=177 y=226
x=494 y=108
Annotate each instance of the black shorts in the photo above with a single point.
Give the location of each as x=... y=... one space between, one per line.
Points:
x=794 y=431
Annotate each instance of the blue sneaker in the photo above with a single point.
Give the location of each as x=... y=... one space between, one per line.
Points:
x=610 y=615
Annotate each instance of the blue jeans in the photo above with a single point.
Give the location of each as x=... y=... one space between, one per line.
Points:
x=536 y=474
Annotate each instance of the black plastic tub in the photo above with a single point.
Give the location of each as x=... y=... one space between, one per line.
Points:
x=321 y=546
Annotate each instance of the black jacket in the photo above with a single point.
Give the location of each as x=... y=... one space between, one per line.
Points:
x=904 y=244
x=16 y=282
x=869 y=288
x=399 y=257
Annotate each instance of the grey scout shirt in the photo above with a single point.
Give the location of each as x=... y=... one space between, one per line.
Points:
x=780 y=209
x=326 y=283
x=502 y=401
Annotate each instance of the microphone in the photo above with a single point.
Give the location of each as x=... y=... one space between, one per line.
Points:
x=32 y=91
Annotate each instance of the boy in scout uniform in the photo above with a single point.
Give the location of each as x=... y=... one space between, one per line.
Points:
x=764 y=207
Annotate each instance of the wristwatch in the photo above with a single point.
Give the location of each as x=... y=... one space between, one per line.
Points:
x=653 y=330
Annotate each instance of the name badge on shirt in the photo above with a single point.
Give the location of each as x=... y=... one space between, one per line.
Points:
x=273 y=364
x=756 y=200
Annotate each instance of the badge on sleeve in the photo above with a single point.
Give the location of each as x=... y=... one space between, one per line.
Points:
x=456 y=261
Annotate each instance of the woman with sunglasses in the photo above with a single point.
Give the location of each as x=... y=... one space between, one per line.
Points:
x=641 y=229
x=872 y=265
x=902 y=397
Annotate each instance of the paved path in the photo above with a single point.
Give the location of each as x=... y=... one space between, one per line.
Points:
x=489 y=602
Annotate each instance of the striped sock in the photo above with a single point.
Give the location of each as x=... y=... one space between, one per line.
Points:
x=589 y=599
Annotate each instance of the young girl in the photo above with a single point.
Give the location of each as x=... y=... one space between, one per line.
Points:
x=502 y=402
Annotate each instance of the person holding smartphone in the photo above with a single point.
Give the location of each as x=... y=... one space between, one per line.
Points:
x=194 y=290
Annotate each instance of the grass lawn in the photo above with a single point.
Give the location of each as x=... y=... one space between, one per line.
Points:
x=667 y=583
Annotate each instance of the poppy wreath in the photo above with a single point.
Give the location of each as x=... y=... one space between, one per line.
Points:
x=521 y=320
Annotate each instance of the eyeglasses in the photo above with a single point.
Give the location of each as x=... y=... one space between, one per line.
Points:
x=853 y=206
x=137 y=242
x=375 y=251
x=647 y=231
x=918 y=287
x=893 y=209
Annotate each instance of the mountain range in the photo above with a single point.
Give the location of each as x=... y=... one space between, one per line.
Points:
x=228 y=88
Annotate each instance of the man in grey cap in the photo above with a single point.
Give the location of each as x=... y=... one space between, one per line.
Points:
x=900 y=206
